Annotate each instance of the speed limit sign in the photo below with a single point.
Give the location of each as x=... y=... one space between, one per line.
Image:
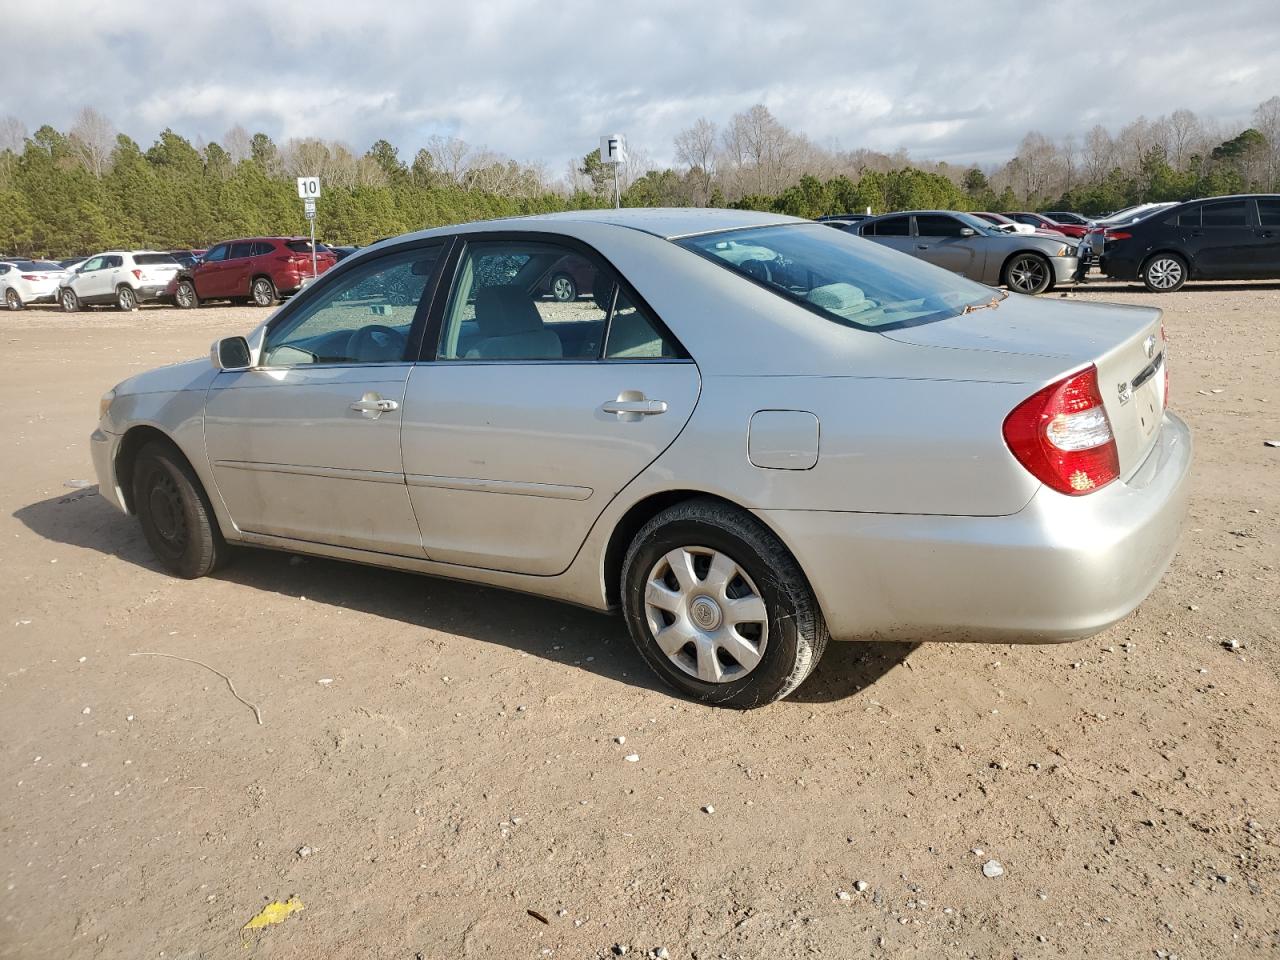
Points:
x=308 y=187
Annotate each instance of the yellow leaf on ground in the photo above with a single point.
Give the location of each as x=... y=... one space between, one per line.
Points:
x=274 y=912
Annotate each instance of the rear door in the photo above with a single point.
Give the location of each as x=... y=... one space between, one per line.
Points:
x=235 y=272
x=528 y=414
x=894 y=232
x=1268 y=231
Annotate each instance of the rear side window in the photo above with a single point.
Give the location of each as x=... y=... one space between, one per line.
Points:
x=115 y=261
x=153 y=259
x=839 y=277
x=239 y=250
x=1189 y=218
x=1228 y=213
x=1269 y=211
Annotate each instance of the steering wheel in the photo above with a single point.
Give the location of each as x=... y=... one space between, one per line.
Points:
x=376 y=344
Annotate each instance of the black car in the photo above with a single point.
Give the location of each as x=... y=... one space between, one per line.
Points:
x=343 y=252
x=1218 y=238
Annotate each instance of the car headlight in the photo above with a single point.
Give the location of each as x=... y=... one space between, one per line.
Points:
x=105 y=403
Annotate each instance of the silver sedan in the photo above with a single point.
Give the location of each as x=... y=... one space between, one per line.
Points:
x=968 y=245
x=749 y=433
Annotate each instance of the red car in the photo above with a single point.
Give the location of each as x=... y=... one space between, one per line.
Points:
x=1044 y=223
x=257 y=269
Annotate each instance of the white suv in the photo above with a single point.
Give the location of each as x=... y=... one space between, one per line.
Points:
x=119 y=277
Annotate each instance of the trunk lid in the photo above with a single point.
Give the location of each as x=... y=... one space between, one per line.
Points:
x=1125 y=343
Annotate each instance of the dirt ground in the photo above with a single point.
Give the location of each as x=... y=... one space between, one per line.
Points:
x=436 y=773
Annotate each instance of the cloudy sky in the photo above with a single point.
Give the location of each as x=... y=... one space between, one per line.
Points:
x=542 y=81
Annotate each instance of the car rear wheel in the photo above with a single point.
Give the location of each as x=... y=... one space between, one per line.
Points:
x=1164 y=273
x=185 y=296
x=719 y=608
x=264 y=292
x=1028 y=273
x=563 y=288
x=176 y=518
x=126 y=299
x=12 y=301
x=70 y=302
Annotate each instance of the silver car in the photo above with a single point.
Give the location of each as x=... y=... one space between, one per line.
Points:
x=968 y=245
x=754 y=434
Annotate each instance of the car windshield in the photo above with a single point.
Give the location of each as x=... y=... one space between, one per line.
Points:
x=844 y=278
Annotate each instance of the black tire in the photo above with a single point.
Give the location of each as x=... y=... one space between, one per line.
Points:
x=12 y=301
x=68 y=300
x=263 y=292
x=1029 y=273
x=126 y=298
x=795 y=635
x=185 y=296
x=175 y=514
x=1164 y=272
x=563 y=288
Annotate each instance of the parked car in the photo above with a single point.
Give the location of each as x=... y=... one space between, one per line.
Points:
x=568 y=279
x=969 y=246
x=187 y=258
x=1043 y=223
x=342 y=252
x=1003 y=223
x=1067 y=217
x=257 y=269
x=844 y=217
x=121 y=277
x=747 y=455
x=28 y=281
x=1218 y=238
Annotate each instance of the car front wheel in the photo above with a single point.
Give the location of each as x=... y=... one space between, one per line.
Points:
x=719 y=608
x=264 y=292
x=1028 y=273
x=185 y=296
x=1164 y=273
x=175 y=514
x=70 y=302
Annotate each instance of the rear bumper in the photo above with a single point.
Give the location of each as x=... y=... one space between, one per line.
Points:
x=1060 y=569
x=103 y=447
x=1118 y=266
x=151 y=292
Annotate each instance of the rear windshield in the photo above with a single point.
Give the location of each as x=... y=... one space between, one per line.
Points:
x=35 y=265
x=854 y=282
x=153 y=259
x=304 y=246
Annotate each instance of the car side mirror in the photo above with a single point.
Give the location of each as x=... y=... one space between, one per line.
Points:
x=968 y=232
x=231 y=353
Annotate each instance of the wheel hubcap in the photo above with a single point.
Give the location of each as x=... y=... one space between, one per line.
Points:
x=1026 y=274
x=12 y=299
x=260 y=291
x=705 y=614
x=562 y=289
x=1164 y=273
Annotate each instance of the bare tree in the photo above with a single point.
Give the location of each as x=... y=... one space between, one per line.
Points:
x=92 y=138
x=13 y=133
x=1035 y=161
x=1183 y=128
x=696 y=149
x=1099 y=153
x=760 y=152
x=450 y=155
x=237 y=144
x=1266 y=120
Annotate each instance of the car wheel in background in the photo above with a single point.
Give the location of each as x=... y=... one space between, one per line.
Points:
x=1164 y=273
x=126 y=299
x=563 y=288
x=176 y=518
x=719 y=608
x=264 y=292
x=12 y=301
x=70 y=302
x=1028 y=273
x=185 y=296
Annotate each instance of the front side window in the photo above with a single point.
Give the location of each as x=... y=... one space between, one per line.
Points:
x=93 y=263
x=1228 y=213
x=217 y=253
x=535 y=300
x=894 y=227
x=365 y=317
x=841 y=277
x=935 y=225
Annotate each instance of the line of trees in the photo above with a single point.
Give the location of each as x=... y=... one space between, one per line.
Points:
x=90 y=187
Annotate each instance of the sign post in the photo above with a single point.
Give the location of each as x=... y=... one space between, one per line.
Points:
x=613 y=151
x=309 y=190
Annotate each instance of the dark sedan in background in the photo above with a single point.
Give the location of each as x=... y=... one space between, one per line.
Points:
x=1217 y=238
x=964 y=244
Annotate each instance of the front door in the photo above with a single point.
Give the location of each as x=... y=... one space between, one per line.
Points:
x=306 y=445
x=208 y=273
x=93 y=280
x=940 y=240
x=535 y=412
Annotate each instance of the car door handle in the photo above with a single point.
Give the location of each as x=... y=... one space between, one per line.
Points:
x=922 y=246
x=373 y=406
x=630 y=409
x=1267 y=234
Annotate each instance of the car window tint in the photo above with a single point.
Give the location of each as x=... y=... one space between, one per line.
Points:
x=1228 y=213
x=634 y=335
x=1269 y=211
x=217 y=253
x=260 y=249
x=1189 y=218
x=894 y=227
x=366 y=317
x=153 y=259
x=115 y=261
x=239 y=250
x=516 y=300
x=304 y=246
x=933 y=225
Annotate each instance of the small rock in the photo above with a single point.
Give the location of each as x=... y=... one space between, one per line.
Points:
x=708 y=809
x=86 y=711
x=861 y=886
x=83 y=659
x=632 y=758
x=976 y=851
x=1232 y=644
x=661 y=954
x=992 y=869
x=1271 y=443
x=1192 y=606
x=325 y=681
x=619 y=949
x=619 y=740
x=304 y=852
x=843 y=895
x=520 y=709
x=129 y=718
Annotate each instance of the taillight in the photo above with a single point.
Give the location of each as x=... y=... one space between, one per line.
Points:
x=1117 y=235
x=32 y=276
x=137 y=273
x=1062 y=435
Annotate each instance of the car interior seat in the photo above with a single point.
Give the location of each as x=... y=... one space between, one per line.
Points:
x=511 y=327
